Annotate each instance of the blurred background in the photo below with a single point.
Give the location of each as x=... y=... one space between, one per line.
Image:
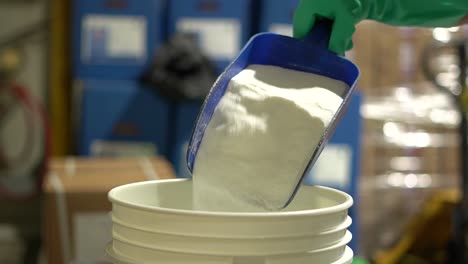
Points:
x=99 y=93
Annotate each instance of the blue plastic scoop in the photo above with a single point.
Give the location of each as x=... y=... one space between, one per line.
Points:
x=308 y=55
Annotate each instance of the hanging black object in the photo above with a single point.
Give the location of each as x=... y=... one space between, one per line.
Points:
x=180 y=70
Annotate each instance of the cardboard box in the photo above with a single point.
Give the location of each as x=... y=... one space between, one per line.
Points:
x=362 y=55
x=388 y=56
x=76 y=208
x=368 y=159
x=451 y=160
x=121 y=117
x=423 y=40
x=116 y=38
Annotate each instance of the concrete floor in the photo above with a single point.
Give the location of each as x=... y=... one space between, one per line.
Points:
x=20 y=231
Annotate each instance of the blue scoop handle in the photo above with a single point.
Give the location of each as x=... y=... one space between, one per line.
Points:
x=320 y=33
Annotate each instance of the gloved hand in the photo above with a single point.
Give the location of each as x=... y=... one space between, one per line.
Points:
x=347 y=13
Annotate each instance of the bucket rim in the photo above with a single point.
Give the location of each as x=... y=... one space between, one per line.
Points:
x=342 y=207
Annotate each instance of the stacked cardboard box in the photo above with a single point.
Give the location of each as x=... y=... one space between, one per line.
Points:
x=388 y=56
x=77 y=222
x=362 y=54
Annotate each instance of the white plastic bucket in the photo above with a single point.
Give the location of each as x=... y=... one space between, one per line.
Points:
x=143 y=254
x=154 y=223
x=346 y=258
x=229 y=246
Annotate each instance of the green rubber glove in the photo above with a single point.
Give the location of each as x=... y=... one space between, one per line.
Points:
x=347 y=13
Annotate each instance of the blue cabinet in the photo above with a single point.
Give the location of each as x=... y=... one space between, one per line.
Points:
x=115 y=38
x=221 y=27
x=121 y=111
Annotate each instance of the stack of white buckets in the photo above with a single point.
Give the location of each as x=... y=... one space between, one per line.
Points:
x=153 y=223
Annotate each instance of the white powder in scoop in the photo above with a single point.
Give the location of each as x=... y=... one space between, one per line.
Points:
x=261 y=137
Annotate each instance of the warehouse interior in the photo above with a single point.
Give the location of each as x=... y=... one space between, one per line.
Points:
x=96 y=94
